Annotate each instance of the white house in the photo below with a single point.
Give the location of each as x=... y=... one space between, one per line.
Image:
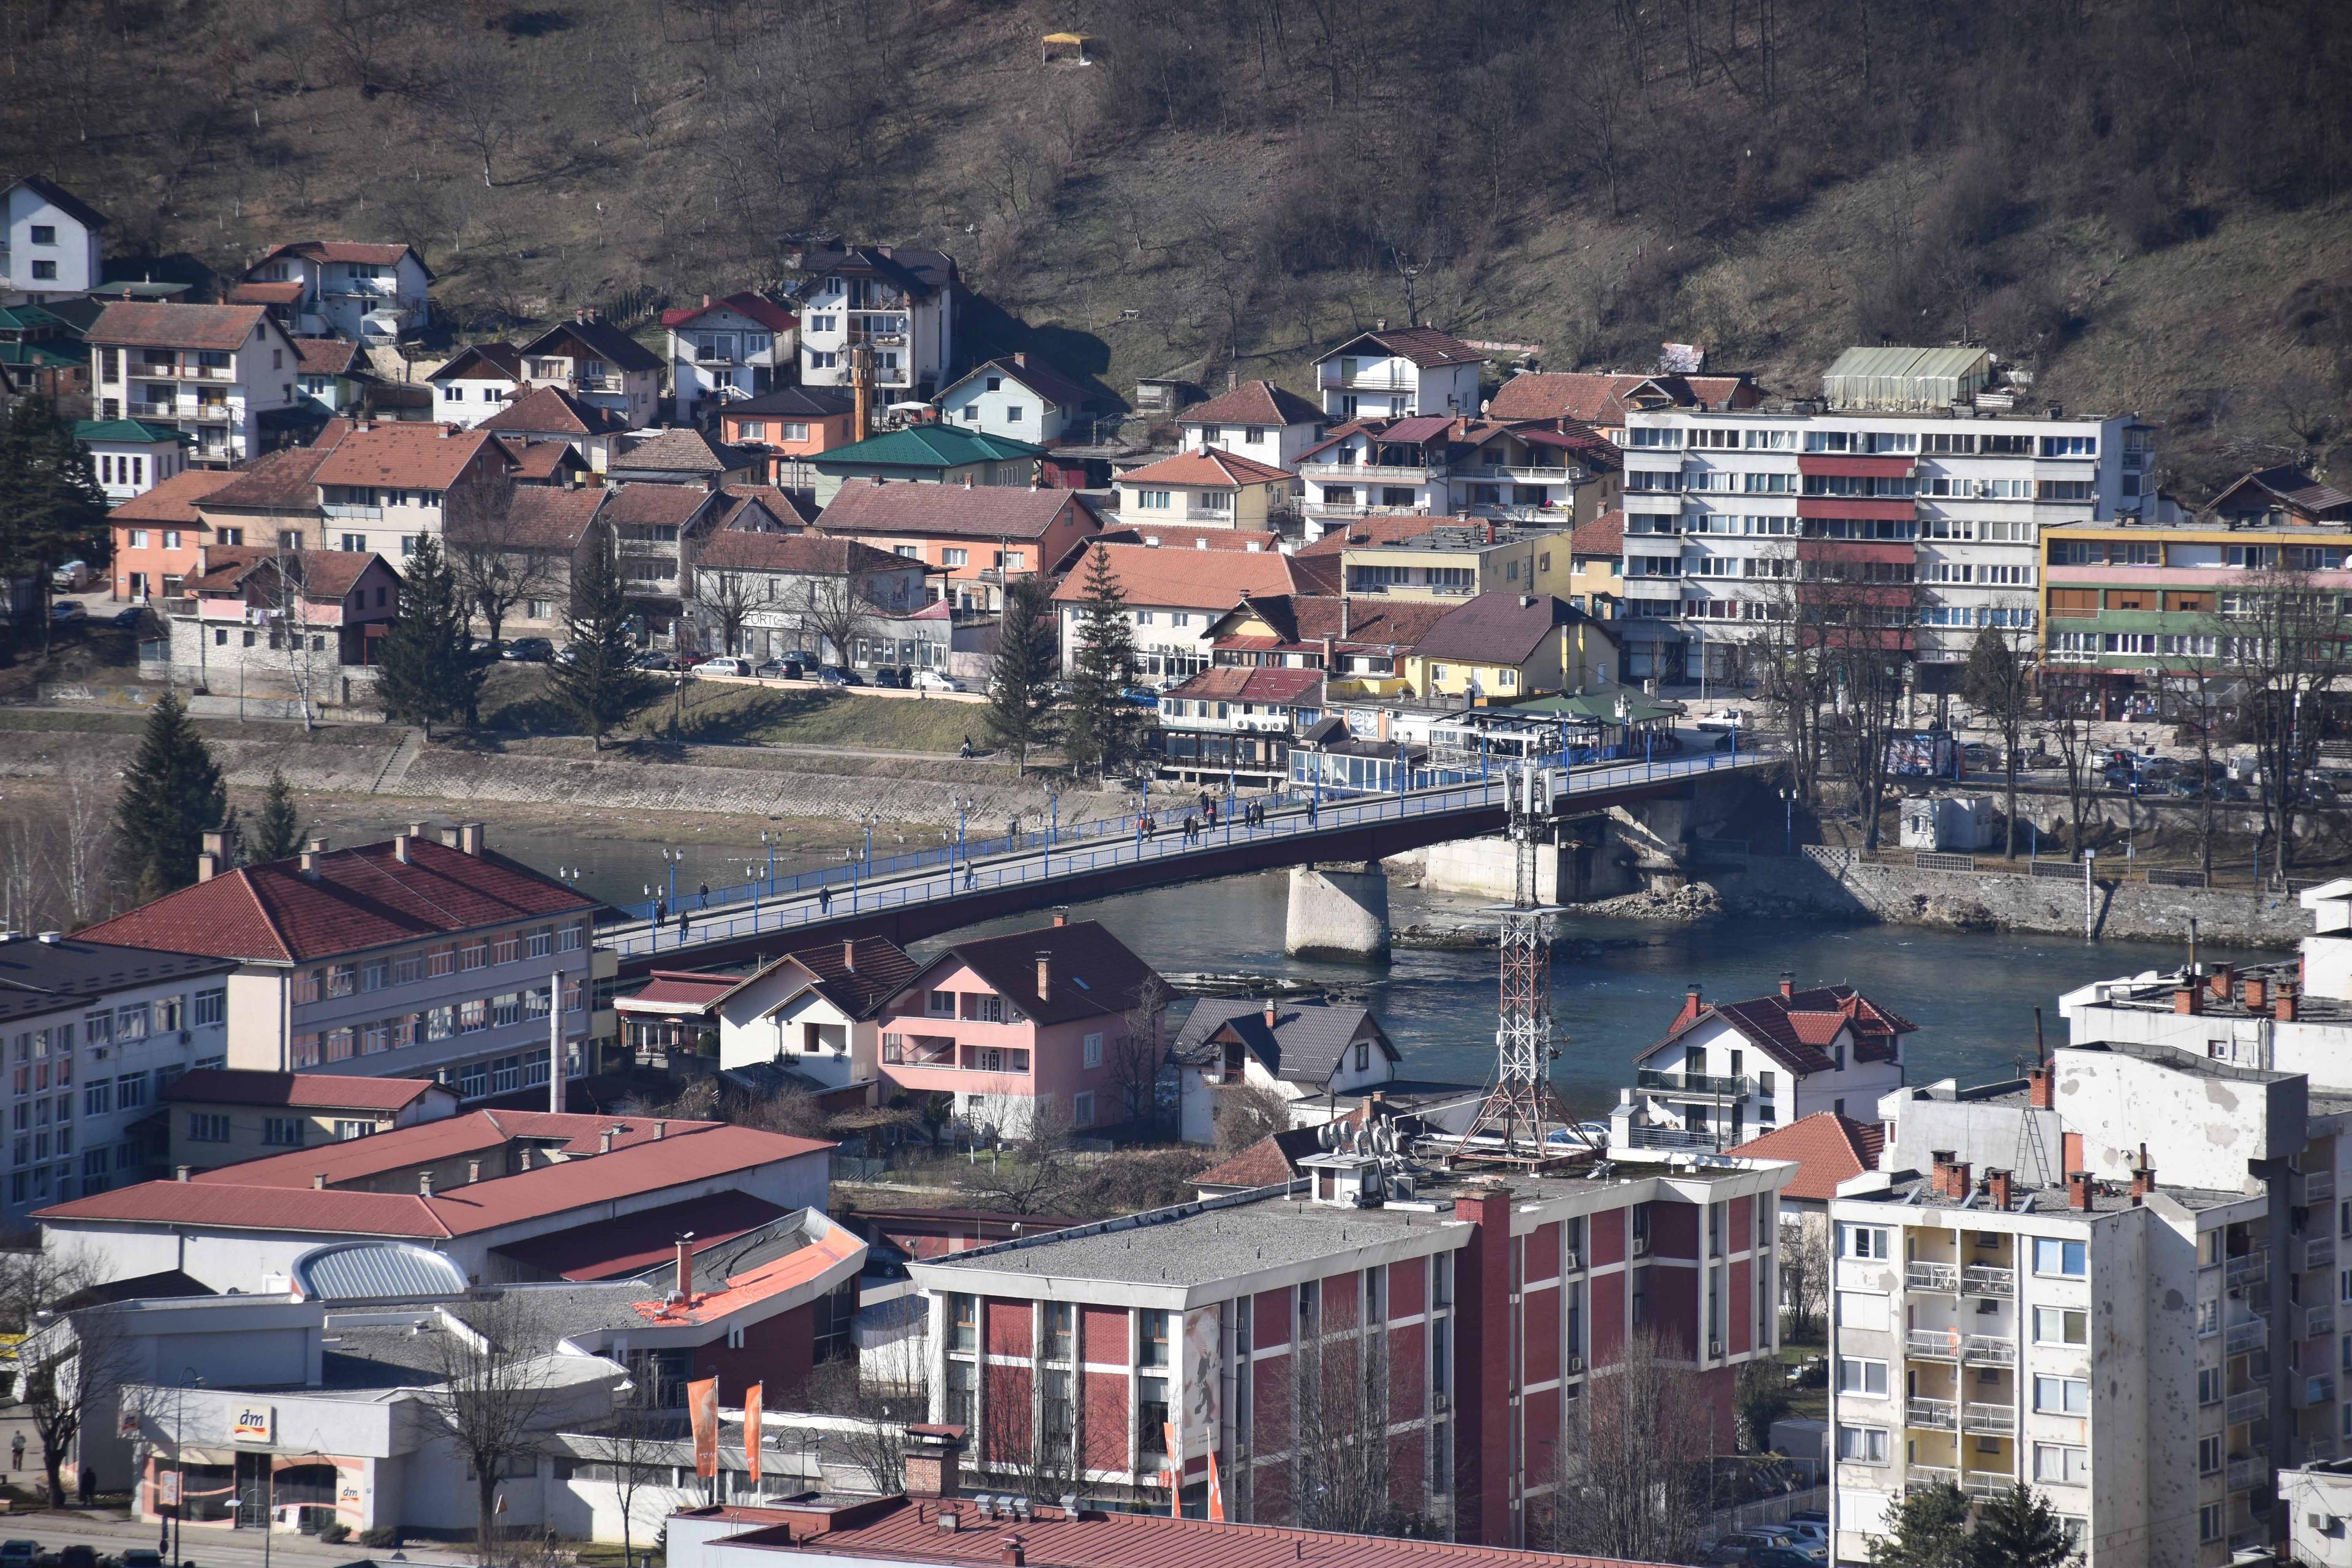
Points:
x=1726 y=1070
x=214 y=372
x=1305 y=1052
x=477 y=382
x=1028 y=402
x=133 y=456
x=724 y=351
x=49 y=244
x=897 y=302
x=783 y=595
x=817 y=1013
x=601 y=365
x=1208 y=487
x=1257 y=420
x=1394 y=371
x=1173 y=597
x=361 y=292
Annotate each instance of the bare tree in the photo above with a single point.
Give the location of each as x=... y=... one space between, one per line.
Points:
x=492 y=1389
x=1138 y=1058
x=498 y=568
x=2282 y=645
x=1036 y=1172
x=1805 y=1279
x=1638 y=1480
x=71 y=1361
x=1340 y=1450
x=482 y=106
x=636 y=1448
x=1031 y=1445
x=2000 y=688
x=728 y=598
x=838 y=610
x=1248 y=1111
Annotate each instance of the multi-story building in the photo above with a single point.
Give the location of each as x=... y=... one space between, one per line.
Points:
x=972 y=542
x=1234 y=723
x=2146 y=611
x=1442 y=466
x=1596 y=581
x=1915 y=489
x=894 y=303
x=49 y=243
x=300 y=624
x=1394 y=371
x=475 y=382
x=601 y=365
x=1304 y=1052
x=1455 y=561
x=131 y=457
x=1465 y=1318
x=1205 y=488
x=225 y=1116
x=790 y=426
x=1599 y=400
x=776 y=595
x=931 y=454
x=552 y=413
x=725 y=351
x=216 y=372
x=387 y=487
x=1173 y=597
x=412 y=957
x=1257 y=420
x=654 y=528
x=1727 y=1070
x=157 y=535
x=341 y=288
x=96 y=1033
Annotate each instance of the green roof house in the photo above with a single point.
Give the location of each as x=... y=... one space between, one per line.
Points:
x=927 y=455
x=131 y=457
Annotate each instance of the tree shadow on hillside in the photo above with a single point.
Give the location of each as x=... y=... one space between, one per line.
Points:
x=747 y=720
x=991 y=331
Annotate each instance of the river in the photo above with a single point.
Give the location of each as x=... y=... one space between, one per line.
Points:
x=1971 y=994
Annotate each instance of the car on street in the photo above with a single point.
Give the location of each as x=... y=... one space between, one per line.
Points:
x=834 y=674
x=70 y=578
x=129 y=616
x=528 y=650
x=890 y=675
x=932 y=680
x=1980 y=758
x=64 y=612
x=76 y=1554
x=18 y=1554
x=1140 y=696
x=687 y=658
x=736 y=666
x=779 y=669
x=1722 y=719
x=141 y=1557
x=653 y=661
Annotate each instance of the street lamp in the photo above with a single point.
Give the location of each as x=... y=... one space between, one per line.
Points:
x=1789 y=827
x=671 y=857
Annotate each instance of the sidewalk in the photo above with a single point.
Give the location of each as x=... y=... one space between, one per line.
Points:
x=212 y=1546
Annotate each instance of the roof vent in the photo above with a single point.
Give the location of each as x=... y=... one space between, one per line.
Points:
x=53 y=937
x=424 y=1184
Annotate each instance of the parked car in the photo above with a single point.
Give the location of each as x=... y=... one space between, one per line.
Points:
x=687 y=658
x=739 y=667
x=932 y=680
x=1980 y=757
x=1743 y=1547
x=1722 y=719
x=779 y=669
x=130 y=616
x=1140 y=696
x=78 y=1554
x=18 y=1554
x=70 y=578
x=1786 y=1555
x=890 y=675
x=1806 y=1531
x=528 y=650
x=654 y=661
x=141 y=1557
x=66 y=611
x=834 y=674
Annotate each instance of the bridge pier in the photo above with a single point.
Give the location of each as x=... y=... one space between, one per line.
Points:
x=1338 y=913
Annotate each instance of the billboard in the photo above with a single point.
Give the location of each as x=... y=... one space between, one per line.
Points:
x=1203 y=1398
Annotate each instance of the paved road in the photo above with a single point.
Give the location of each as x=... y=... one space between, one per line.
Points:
x=210 y=1546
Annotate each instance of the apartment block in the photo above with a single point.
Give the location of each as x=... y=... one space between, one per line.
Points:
x=894 y=304
x=224 y=374
x=1466 y=1317
x=413 y=957
x=1913 y=480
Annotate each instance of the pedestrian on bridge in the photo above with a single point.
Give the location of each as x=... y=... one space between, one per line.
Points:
x=685 y=923
x=823 y=899
x=1209 y=810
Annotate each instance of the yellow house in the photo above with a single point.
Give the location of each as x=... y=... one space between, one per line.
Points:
x=1596 y=581
x=224 y=1116
x=1361 y=644
x=1501 y=647
x=1456 y=560
x=1204 y=489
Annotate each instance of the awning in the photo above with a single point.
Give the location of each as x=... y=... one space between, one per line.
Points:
x=215 y=1456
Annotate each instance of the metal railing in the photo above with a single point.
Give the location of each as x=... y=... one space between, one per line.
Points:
x=2246 y=1470
x=1920 y=1477
x=1986 y=1483
x=1992 y=1420
x=2318 y=1252
x=1340 y=473
x=1950 y=1344
x=1363 y=383
x=2246 y=1334
x=1673 y=1137
x=1716 y=1086
x=1988 y=1279
x=1931 y=1277
x=2318 y=1184
x=2249 y=1405
x=350 y=509
x=783 y=904
x=1938 y=1414
x=2251 y=1264
x=2318 y=1390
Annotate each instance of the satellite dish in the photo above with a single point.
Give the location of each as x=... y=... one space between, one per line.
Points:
x=1328 y=1136
x=1383 y=1139
x=1373 y=1182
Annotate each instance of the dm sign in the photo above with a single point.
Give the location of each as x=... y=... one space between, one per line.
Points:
x=254 y=1423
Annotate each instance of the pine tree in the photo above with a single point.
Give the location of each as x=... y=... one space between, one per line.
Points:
x=427 y=668
x=1020 y=681
x=278 y=831
x=1105 y=728
x=1931 y=1531
x=171 y=795
x=594 y=678
x=2019 y=1529
x=51 y=509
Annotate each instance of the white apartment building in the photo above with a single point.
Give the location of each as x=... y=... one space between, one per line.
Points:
x=95 y=1033
x=360 y=292
x=1390 y=372
x=725 y=351
x=49 y=243
x=1939 y=503
x=894 y=302
x=599 y=364
x=216 y=372
x=475 y=382
x=1257 y=420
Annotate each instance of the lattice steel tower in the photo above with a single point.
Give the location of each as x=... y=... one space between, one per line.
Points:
x=1520 y=1112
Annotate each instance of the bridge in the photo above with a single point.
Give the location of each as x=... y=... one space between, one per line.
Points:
x=922 y=895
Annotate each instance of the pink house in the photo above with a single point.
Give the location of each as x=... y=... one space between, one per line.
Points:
x=1010 y=1026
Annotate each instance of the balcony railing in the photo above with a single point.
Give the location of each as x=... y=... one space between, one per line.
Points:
x=1920 y=1477
x=1340 y=473
x=1986 y=1483
x=2318 y=1184
x=1673 y=1137
x=1993 y=1420
x=1950 y=1344
x=2248 y=1334
x=1938 y=1414
x=2319 y=1322
x=1363 y=381
x=1931 y=1277
x=2252 y=1265
x=1357 y=509
x=2316 y=1449
x=2246 y=1471
x=351 y=508
x=1985 y=1279
x=137 y=409
x=2318 y=1252
x=208 y=413
x=2250 y=1405
x=1716 y=1086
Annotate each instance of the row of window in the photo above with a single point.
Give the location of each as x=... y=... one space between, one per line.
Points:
x=2052 y=1256
x=337 y=980
x=1861 y=443
x=467 y=1017
x=130 y=1022
x=2239 y=557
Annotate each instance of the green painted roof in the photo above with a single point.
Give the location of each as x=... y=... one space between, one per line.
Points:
x=1602 y=705
x=26 y=318
x=64 y=355
x=142 y=431
x=926 y=446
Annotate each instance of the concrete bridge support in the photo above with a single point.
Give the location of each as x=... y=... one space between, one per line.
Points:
x=1337 y=912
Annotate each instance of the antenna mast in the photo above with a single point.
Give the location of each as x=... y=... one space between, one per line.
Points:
x=1518 y=1117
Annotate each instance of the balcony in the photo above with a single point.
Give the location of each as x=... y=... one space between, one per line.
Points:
x=1985 y=1279
x=1370 y=381
x=2319 y=1322
x=1951 y=1345
x=347 y=508
x=2244 y=1266
x=1325 y=508
x=136 y=409
x=210 y=413
x=2246 y=1470
x=1992 y=1420
x=1673 y=1137
x=1343 y=473
x=2318 y=1184
x=1986 y=1483
x=2318 y=1252
x=1921 y=1478
x=1711 y=1086
x=1936 y=1415
x=2251 y=1405
x=1931 y=1277
x=2249 y=1333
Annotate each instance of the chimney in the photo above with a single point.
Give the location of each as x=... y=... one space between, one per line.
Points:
x=2284 y=1008
x=1061 y=916
x=1996 y=1187
x=886 y=251
x=1526 y=601
x=1690 y=1005
x=400 y=842
x=424 y=1184
x=469 y=837
x=2222 y=981
x=310 y=853
x=2143 y=1176
x=207 y=865
x=1044 y=976
x=2188 y=999
x=706 y=301
x=1021 y=357
x=2253 y=993
x=1787 y=983
x=1380 y=323
x=1009 y=1551
x=604 y=1141
x=180 y=1172
x=661 y=1130
x=931 y=1466
x=686 y=1267
x=318 y=1181
x=849 y=955
x=2039 y=1092
x=1344 y=615
x=1951 y=1177
x=2078 y=1191
x=447 y=431
x=1269 y=1012
x=473 y=1171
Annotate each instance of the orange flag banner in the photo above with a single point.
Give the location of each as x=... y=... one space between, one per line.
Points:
x=702 y=1407
x=1216 y=1492
x=1176 y=1474
x=752 y=1431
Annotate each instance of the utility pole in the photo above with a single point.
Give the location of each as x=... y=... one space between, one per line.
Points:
x=1520 y=1109
x=555 y=1041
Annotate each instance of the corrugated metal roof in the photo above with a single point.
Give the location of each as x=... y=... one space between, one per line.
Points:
x=1896 y=377
x=376 y=1271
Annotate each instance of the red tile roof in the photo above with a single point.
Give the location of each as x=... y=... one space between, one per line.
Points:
x=475 y=361
x=475 y=1132
x=1181 y=578
x=1183 y=536
x=949 y=511
x=284 y=480
x=1425 y=346
x=752 y=306
x=323 y=574
x=654 y=504
x=746 y=502
x=1385 y=528
x=1252 y=683
x=1497 y=628
x=358 y=898
x=1827 y=1148
x=338 y=251
x=550 y=410
x=405 y=454
x=1090 y=972
x=1600 y=398
x=220 y=326
x=826 y=1253
x=1604 y=535
x=614 y=1250
x=812 y=554
x=326 y=356
x=1255 y=403
x=545 y=517
x=1794 y=1030
x=1262 y=1165
x=174 y=500
x=285 y=293
x=326 y=1091
x=537 y=463
x=1207 y=466
x=679 y=991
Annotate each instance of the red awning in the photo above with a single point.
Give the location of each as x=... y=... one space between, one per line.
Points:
x=1858 y=467
x=1845 y=506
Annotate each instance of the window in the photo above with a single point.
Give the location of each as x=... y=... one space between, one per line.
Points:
x=1093 y=1051
x=963 y=1322
x=2057 y=1464
x=2208 y=1521
x=282 y=1132
x=2052 y=1256
x=44 y=233
x=2209 y=1385
x=1865 y=1241
x=2208 y=1456
x=207 y=1127
x=1150 y=1420
x=2072 y=1396
x=97 y=1098
x=44 y=271
x=1156 y=501
x=1152 y=1338
x=131 y=1091
x=1862 y=1445
x=1867 y=1378
x=1082 y=1109
x=2061 y=1326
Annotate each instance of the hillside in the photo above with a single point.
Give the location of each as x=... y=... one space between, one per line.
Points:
x=2153 y=212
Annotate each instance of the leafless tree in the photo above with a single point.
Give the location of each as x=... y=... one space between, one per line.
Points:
x=839 y=610
x=1637 y=1480
x=2000 y=688
x=1035 y=1172
x=482 y=106
x=491 y=1390
x=1805 y=1279
x=636 y=1448
x=2069 y=707
x=1248 y=1111
x=2283 y=646
x=1339 y=1449
x=874 y=1443
x=728 y=598
x=1793 y=664
x=1138 y=1055
x=71 y=1361
x=1030 y=1446
x=495 y=566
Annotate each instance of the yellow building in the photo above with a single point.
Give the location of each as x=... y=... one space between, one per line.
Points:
x=1456 y=560
x=1206 y=488
x=1501 y=647
x=224 y=1116
x=1596 y=581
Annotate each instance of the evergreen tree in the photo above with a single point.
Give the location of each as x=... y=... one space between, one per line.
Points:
x=2019 y=1529
x=172 y=796
x=51 y=509
x=1021 y=680
x=594 y=679
x=1996 y=687
x=427 y=668
x=1104 y=729
x=278 y=831
x=1931 y=1531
